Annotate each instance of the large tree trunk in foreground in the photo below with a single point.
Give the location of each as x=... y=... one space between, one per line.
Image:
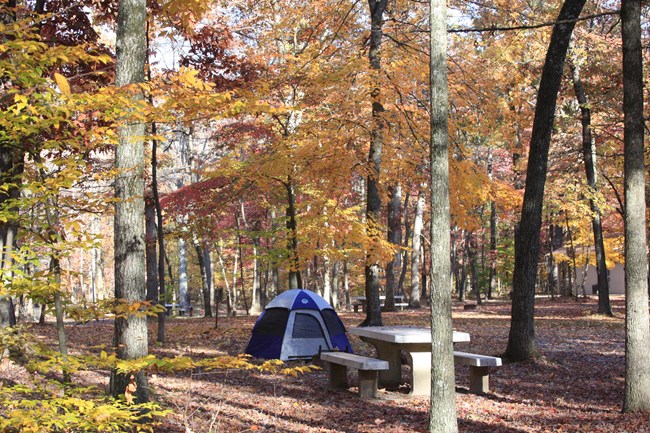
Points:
x=637 y=323
x=442 y=412
x=521 y=341
x=131 y=337
x=373 y=201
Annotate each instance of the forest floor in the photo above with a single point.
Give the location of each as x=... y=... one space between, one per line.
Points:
x=576 y=385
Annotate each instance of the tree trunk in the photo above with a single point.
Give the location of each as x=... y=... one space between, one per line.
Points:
x=97 y=263
x=551 y=267
x=11 y=171
x=205 y=285
x=492 y=255
x=336 y=283
x=637 y=322
x=55 y=267
x=424 y=296
x=209 y=270
x=394 y=237
x=346 y=283
x=589 y=155
x=470 y=247
x=327 y=280
x=150 y=247
x=521 y=340
x=404 y=258
x=295 y=279
x=162 y=289
x=442 y=409
x=416 y=249
x=130 y=332
x=225 y=278
x=256 y=295
x=183 y=285
x=373 y=201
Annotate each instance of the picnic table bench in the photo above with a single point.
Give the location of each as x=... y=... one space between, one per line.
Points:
x=169 y=308
x=360 y=301
x=479 y=378
x=339 y=362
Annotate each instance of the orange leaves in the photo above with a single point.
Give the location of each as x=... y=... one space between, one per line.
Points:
x=185 y=13
x=130 y=390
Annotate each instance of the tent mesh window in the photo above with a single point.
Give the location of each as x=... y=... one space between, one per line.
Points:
x=332 y=321
x=306 y=326
x=273 y=322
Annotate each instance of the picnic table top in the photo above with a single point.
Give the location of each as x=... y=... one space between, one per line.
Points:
x=403 y=334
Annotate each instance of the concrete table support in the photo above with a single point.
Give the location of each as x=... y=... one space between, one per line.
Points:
x=389 y=341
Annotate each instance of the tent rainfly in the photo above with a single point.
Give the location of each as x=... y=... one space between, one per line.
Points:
x=297 y=324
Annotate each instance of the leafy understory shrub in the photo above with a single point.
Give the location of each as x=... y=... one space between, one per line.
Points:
x=33 y=410
x=38 y=403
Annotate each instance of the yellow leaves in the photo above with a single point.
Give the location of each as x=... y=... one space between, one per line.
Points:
x=63 y=84
x=189 y=78
x=26 y=410
x=294 y=371
x=21 y=101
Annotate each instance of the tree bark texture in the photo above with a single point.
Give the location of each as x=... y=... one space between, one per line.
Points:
x=637 y=322
x=373 y=201
x=131 y=337
x=589 y=155
x=442 y=409
x=521 y=340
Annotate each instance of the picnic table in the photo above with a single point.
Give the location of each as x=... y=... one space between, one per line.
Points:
x=416 y=341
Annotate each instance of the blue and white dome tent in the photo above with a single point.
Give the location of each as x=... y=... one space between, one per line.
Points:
x=297 y=324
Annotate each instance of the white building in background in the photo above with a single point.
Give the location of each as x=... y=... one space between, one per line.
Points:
x=586 y=275
x=590 y=277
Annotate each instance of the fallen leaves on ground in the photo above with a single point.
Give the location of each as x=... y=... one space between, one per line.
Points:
x=575 y=386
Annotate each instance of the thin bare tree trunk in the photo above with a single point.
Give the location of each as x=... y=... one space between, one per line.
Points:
x=416 y=250
x=205 y=283
x=394 y=237
x=589 y=155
